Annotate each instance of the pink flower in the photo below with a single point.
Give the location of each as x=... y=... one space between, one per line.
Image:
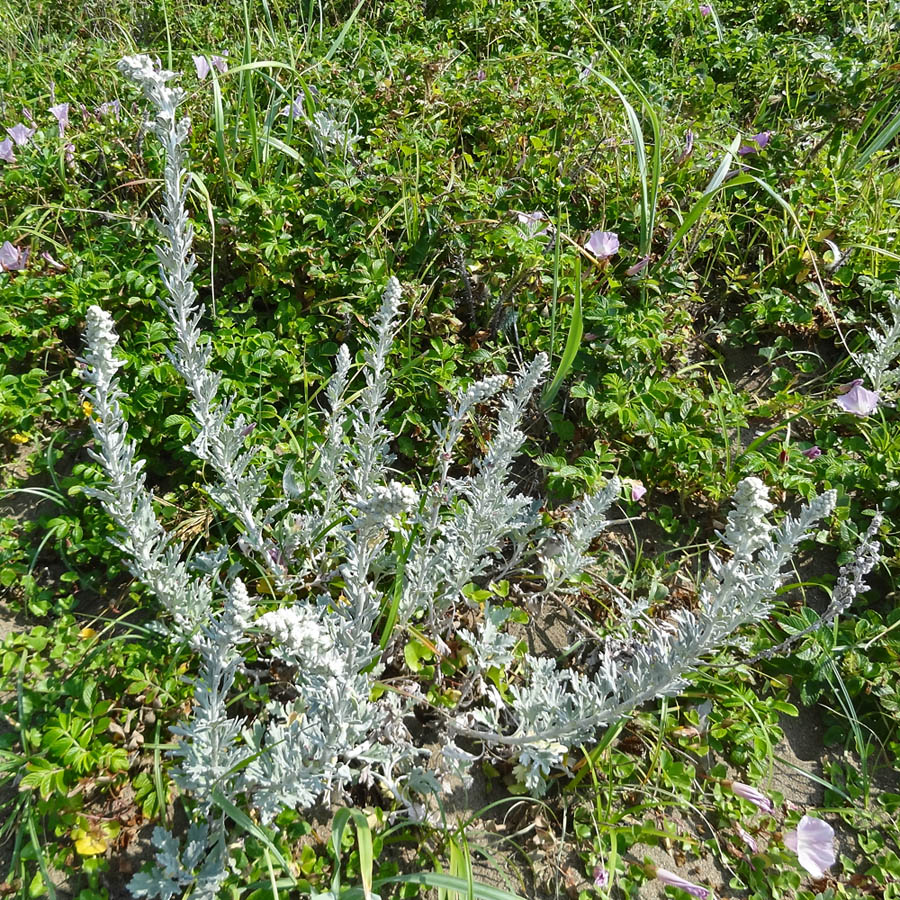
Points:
x=6 y=151
x=761 y=141
x=747 y=792
x=813 y=842
x=601 y=877
x=54 y=263
x=111 y=106
x=637 y=490
x=673 y=880
x=639 y=266
x=202 y=64
x=530 y=223
x=12 y=259
x=748 y=839
x=705 y=10
x=603 y=244
x=813 y=452
x=61 y=114
x=20 y=134
x=688 y=142
x=856 y=400
x=295 y=109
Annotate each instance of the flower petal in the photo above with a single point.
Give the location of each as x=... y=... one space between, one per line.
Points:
x=201 y=64
x=857 y=400
x=603 y=244
x=673 y=880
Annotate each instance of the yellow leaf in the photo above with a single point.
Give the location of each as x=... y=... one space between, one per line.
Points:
x=88 y=844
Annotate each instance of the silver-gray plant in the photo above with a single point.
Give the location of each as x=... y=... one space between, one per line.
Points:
x=878 y=363
x=335 y=724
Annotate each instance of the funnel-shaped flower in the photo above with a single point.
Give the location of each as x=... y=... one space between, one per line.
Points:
x=6 y=151
x=111 y=106
x=760 y=142
x=747 y=838
x=688 y=147
x=813 y=842
x=12 y=259
x=295 y=109
x=856 y=400
x=673 y=880
x=639 y=266
x=61 y=114
x=603 y=244
x=748 y=792
x=20 y=134
x=202 y=64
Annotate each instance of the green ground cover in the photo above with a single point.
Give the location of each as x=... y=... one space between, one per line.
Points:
x=744 y=155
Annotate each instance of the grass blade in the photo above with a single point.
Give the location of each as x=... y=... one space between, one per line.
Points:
x=573 y=342
x=716 y=183
x=480 y=891
x=338 y=42
x=242 y=820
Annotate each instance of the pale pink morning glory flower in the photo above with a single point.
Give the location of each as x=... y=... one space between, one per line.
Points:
x=202 y=65
x=857 y=400
x=760 y=141
x=639 y=266
x=603 y=244
x=637 y=490
x=295 y=109
x=20 y=134
x=673 y=880
x=6 y=151
x=61 y=114
x=111 y=106
x=12 y=259
x=748 y=792
x=748 y=839
x=813 y=842
x=705 y=10
x=54 y=263
x=813 y=452
x=688 y=147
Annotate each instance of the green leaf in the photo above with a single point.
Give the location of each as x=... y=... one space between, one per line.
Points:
x=573 y=342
